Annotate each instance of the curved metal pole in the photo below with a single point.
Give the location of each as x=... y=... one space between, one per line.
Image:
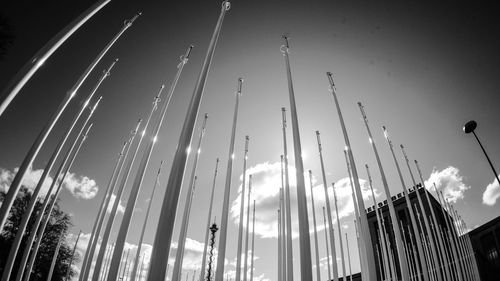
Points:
x=31 y=67
x=247 y=230
x=485 y=154
x=44 y=223
x=163 y=236
x=42 y=136
x=288 y=213
x=207 y=229
x=316 y=250
x=112 y=214
x=413 y=220
x=219 y=274
x=242 y=213
x=403 y=263
x=369 y=257
x=139 y=245
x=328 y=211
x=36 y=192
x=304 y=239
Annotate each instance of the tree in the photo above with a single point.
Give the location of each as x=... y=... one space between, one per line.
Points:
x=59 y=224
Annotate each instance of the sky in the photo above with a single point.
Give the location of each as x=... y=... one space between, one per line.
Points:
x=421 y=69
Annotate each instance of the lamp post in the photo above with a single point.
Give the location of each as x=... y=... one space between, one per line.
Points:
x=470 y=127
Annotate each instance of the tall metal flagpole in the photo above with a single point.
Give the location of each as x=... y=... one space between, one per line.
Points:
x=139 y=245
x=326 y=246
x=245 y=266
x=413 y=220
x=392 y=262
x=470 y=249
x=381 y=234
x=415 y=258
x=459 y=241
x=363 y=221
x=280 y=272
x=340 y=232
x=112 y=214
x=348 y=257
x=288 y=213
x=403 y=263
x=163 y=237
x=304 y=239
x=113 y=184
x=356 y=213
x=253 y=242
x=433 y=251
x=207 y=229
x=31 y=67
x=71 y=259
x=316 y=250
x=100 y=214
x=39 y=222
x=444 y=258
x=242 y=213
x=219 y=274
x=77 y=143
x=179 y=255
x=283 y=222
x=55 y=255
x=42 y=136
x=407 y=252
x=31 y=205
x=328 y=211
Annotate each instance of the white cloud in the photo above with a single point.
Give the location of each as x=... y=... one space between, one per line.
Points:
x=491 y=193
x=266 y=183
x=449 y=181
x=79 y=186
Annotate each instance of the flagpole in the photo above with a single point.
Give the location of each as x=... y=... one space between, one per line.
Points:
x=453 y=233
x=424 y=244
x=42 y=136
x=304 y=239
x=287 y=201
x=283 y=223
x=112 y=214
x=36 y=192
x=460 y=242
x=471 y=251
x=41 y=226
x=444 y=259
x=163 y=236
x=403 y=263
x=253 y=242
x=100 y=212
x=280 y=272
x=31 y=67
x=410 y=210
x=113 y=184
x=326 y=246
x=348 y=256
x=139 y=245
x=433 y=251
x=415 y=258
x=35 y=228
x=205 y=245
x=242 y=214
x=361 y=247
x=124 y=266
x=407 y=252
x=392 y=262
x=56 y=254
x=219 y=274
x=71 y=259
x=340 y=232
x=247 y=228
x=328 y=211
x=364 y=229
x=381 y=235
x=181 y=244
x=316 y=250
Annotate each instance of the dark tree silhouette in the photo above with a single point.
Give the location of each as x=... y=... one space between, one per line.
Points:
x=59 y=224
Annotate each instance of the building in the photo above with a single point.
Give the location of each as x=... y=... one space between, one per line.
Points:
x=486 y=244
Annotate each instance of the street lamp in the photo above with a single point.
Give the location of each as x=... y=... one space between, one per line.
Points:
x=469 y=127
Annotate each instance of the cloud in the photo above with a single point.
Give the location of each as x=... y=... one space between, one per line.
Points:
x=120 y=209
x=449 y=181
x=266 y=184
x=491 y=193
x=79 y=186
